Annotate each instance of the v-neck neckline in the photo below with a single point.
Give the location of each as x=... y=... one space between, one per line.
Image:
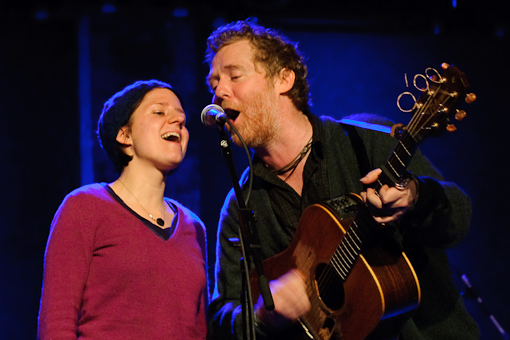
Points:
x=163 y=234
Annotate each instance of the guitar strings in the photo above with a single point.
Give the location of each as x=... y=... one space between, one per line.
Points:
x=343 y=258
x=356 y=234
x=341 y=263
x=412 y=126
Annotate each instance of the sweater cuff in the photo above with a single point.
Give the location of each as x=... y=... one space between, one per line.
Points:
x=426 y=189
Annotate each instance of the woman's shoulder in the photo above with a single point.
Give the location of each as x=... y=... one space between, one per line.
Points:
x=89 y=193
x=85 y=207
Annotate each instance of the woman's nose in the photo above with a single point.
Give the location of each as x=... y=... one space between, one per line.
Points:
x=175 y=118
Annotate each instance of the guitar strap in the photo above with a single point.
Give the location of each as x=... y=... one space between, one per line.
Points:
x=358 y=147
x=363 y=162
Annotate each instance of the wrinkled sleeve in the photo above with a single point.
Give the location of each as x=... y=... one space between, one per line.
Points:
x=442 y=213
x=66 y=266
x=225 y=308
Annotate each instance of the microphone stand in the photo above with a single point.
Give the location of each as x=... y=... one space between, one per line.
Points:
x=249 y=244
x=471 y=293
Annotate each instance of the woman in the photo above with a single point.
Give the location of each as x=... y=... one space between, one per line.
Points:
x=122 y=261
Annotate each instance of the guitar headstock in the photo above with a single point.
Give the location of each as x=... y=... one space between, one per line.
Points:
x=433 y=110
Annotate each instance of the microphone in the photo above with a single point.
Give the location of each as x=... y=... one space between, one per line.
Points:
x=212 y=115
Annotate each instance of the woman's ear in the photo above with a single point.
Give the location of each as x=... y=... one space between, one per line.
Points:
x=286 y=80
x=123 y=136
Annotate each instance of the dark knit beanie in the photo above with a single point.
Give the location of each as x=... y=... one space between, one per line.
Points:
x=116 y=113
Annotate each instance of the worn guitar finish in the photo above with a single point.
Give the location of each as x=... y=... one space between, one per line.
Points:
x=355 y=278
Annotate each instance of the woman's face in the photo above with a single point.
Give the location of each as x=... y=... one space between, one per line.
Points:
x=156 y=135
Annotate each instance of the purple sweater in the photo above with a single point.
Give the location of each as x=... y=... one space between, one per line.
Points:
x=107 y=275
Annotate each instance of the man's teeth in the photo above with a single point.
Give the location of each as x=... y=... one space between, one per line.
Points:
x=171 y=135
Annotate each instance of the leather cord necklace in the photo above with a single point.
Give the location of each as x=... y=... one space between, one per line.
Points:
x=294 y=163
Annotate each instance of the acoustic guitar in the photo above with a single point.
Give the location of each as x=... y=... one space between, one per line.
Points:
x=355 y=278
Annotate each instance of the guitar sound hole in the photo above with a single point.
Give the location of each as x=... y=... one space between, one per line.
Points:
x=330 y=286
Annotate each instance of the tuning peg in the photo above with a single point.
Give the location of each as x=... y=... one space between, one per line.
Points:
x=451 y=128
x=444 y=66
x=460 y=115
x=470 y=97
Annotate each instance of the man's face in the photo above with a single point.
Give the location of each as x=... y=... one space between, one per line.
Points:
x=249 y=99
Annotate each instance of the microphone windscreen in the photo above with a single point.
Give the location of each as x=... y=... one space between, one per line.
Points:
x=212 y=114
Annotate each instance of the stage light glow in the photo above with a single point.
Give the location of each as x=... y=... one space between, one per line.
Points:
x=437 y=28
x=180 y=12
x=108 y=8
x=41 y=15
x=500 y=32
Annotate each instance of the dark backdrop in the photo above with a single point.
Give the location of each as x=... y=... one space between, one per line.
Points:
x=61 y=61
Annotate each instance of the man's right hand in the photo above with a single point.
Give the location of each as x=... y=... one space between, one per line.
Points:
x=290 y=301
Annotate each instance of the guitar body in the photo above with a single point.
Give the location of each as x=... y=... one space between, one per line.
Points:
x=381 y=283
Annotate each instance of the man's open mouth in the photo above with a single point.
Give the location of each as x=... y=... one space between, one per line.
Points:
x=231 y=114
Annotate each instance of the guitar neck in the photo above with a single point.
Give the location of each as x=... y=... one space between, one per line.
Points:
x=394 y=171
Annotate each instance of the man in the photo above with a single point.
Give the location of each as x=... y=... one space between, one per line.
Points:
x=259 y=78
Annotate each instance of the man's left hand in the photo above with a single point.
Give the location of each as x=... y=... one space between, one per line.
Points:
x=388 y=203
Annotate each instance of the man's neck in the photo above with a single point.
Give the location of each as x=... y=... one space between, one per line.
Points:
x=286 y=147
